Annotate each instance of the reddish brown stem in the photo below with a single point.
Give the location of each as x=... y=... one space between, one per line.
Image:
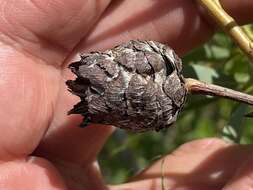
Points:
x=197 y=87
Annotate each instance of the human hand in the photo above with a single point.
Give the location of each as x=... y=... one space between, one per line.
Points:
x=40 y=147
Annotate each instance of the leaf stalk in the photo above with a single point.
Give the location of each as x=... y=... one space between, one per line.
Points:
x=194 y=86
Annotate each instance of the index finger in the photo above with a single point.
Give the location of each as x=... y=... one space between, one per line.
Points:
x=180 y=24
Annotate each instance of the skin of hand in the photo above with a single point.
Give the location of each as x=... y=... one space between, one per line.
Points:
x=41 y=147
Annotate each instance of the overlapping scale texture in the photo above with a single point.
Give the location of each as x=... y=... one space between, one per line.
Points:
x=136 y=86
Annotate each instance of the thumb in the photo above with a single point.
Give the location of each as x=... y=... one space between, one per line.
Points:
x=201 y=164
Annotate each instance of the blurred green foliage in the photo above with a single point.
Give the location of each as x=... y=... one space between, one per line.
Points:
x=218 y=61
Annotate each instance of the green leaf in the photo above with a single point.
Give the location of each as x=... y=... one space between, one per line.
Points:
x=229 y=134
x=239 y=68
x=241 y=77
x=205 y=73
x=222 y=40
x=220 y=52
x=234 y=129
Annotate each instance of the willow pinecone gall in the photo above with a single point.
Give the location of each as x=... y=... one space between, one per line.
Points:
x=136 y=86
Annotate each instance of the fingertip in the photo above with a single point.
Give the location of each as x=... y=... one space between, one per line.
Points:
x=240 y=10
x=188 y=156
x=207 y=162
x=199 y=145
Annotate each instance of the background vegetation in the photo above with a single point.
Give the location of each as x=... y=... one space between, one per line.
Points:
x=219 y=61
